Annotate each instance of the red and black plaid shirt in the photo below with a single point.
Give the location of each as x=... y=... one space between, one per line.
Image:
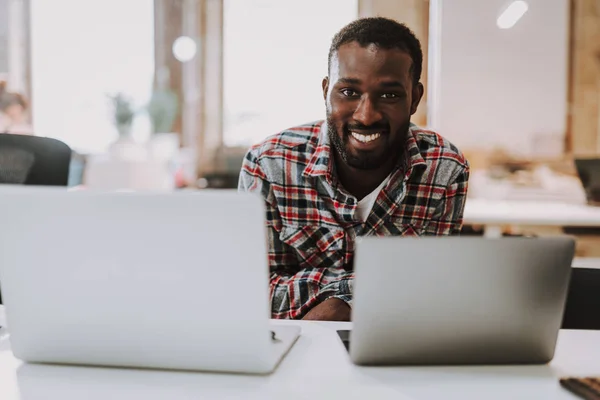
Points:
x=312 y=220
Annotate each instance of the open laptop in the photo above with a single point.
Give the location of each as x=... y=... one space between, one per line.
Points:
x=170 y=281
x=588 y=170
x=454 y=300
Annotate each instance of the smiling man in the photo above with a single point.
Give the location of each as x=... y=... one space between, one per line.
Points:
x=366 y=170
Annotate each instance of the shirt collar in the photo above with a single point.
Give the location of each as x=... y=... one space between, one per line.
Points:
x=413 y=156
x=321 y=162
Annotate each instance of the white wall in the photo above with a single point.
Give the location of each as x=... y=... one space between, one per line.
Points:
x=500 y=87
x=275 y=57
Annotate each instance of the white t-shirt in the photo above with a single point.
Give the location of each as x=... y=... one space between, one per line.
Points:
x=365 y=205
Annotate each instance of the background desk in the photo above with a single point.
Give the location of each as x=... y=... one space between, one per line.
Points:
x=498 y=213
x=317 y=367
x=542 y=218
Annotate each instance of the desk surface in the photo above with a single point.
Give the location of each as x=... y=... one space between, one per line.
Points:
x=316 y=367
x=490 y=212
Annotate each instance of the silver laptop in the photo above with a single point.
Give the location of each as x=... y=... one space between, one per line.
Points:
x=455 y=300
x=170 y=281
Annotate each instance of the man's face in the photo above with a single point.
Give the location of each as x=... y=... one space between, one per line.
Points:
x=369 y=97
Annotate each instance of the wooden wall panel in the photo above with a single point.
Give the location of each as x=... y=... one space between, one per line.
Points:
x=168 y=26
x=210 y=119
x=583 y=136
x=198 y=82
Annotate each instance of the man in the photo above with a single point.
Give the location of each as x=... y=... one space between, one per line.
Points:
x=366 y=170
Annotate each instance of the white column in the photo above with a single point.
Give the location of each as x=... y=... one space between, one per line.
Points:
x=17 y=46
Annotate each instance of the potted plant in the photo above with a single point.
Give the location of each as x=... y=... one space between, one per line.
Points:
x=123 y=114
x=162 y=110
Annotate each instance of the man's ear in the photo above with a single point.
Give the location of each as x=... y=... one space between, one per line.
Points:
x=325 y=86
x=417 y=95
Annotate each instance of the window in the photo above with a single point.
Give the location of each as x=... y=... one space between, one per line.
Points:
x=83 y=51
x=3 y=38
x=275 y=57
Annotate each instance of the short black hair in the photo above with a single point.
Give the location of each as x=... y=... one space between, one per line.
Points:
x=384 y=33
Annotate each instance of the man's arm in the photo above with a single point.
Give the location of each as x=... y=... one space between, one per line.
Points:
x=303 y=295
x=336 y=300
x=340 y=289
x=448 y=218
x=294 y=291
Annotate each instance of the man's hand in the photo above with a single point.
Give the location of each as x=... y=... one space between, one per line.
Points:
x=332 y=309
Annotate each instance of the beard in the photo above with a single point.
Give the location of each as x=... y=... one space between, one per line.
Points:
x=391 y=151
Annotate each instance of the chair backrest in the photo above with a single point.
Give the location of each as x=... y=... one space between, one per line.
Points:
x=34 y=160
x=582 y=310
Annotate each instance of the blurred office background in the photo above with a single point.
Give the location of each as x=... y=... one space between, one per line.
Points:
x=169 y=94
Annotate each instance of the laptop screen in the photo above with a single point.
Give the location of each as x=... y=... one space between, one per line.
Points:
x=589 y=174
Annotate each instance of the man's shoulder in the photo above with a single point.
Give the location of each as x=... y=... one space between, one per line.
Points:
x=294 y=142
x=435 y=147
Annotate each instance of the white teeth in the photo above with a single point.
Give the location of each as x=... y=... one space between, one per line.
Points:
x=365 y=138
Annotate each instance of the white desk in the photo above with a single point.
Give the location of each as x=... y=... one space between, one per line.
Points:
x=489 y=212
x=494 y=215
x=317 y=367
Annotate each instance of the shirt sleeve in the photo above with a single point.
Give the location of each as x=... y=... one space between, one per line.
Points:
x=341 y=288
x=448 y=217
x=294 y=289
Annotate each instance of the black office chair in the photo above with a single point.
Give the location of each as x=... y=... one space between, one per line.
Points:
x=582 y=310
x=33 y=160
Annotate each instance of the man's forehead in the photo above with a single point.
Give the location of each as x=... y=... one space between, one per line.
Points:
x=352 y=58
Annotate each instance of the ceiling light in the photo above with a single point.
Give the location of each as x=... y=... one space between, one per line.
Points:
x=184 y=48
x=512 y=14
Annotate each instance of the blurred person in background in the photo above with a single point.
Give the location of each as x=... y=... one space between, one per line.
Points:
x=13 y=112
x=365 y=170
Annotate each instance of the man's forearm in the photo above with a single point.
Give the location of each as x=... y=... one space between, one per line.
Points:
x=293 y=296
x=341 y=289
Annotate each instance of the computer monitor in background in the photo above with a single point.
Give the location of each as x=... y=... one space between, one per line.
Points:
x=588 y=170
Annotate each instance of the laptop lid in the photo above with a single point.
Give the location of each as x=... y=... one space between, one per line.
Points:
x=136 y=279
x=455 y=300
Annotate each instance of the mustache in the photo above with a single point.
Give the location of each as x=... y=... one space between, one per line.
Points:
x=380 y=126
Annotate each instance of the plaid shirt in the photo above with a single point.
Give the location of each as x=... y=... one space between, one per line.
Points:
x=312 y=222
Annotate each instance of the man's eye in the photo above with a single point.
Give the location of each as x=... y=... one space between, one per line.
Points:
x=349 y=93
x=389 y=95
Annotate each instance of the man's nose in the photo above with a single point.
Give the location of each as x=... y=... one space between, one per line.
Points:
x=366 y=113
